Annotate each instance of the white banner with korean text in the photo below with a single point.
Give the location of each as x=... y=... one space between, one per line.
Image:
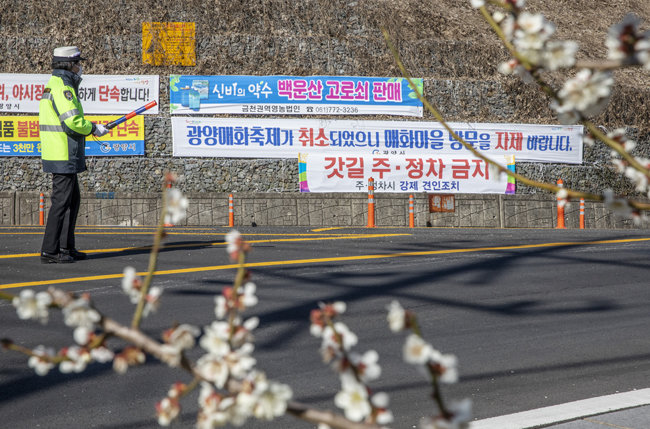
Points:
x=285 y=138
x=393 y=173
x=99 y=94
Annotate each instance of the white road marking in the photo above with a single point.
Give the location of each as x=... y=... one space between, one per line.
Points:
x=566 y=412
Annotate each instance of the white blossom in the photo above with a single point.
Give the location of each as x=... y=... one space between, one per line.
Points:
x=101 y=354
x=167 y=410
x=82 y=335
x=623 y=39
x=220 y=307
x=78 y=359
x=213 y=368
x=461 y=415
x=330 y=339
x=80 y=313
x=243 y=408
x=272 y=401
x=30 y=305
x=416 y=351
x=380 y=401
x=240 y=361
x=559 y=54
x=477 y=4
x=131 y=283
x=353 y=399
x=588 y=92
x=215 y=338
x=248 y=298
x=183 y=336
x=152 y=301
x=176 y=206
x=367 y=365
x=40 y=360
x=447 y=366
x=396 y=316
x=233 y=239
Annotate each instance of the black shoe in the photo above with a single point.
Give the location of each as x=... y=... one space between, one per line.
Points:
x=54 y=258
x=74 y=253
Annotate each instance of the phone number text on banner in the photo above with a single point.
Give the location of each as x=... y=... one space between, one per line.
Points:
x=99 y=94
x=285 y=138
x=293 y=95
x=19 y=136
x=439 y=173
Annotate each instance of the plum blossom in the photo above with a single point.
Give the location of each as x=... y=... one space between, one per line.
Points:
x=380 y=402
x=40 y=360
x=235 y=244
x=416 y=351
x=331 y=346
x=240 y=361
x=183 y=337
x=272 y=400
x=214 y=408
x=128 y=357
x=82 y=335
x=587 y=93
x=477 y=4
x=167 y=410
x=242 y=409
x=461 y=415
x=624 y=41
x=79 y=313
x=228 y=300
x=445 y=365
x=243 y=332
x=367 y=365
x=77 y=359
x=101 y=354
x=353 y=398
x=30 y=305
x=152 y=301
x=562 y=195
x=559 y=54
x=213 y=368
x=176 y=206
x=131 y=284
x=215 y=338
x=396 y=316
x=326 y=312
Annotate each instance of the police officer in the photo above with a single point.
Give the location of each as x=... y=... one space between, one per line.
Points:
x=63 y=130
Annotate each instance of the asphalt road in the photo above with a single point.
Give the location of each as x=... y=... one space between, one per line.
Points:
x=535 y=317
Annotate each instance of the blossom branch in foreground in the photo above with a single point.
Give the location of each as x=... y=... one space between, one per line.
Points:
x=442 y=368
x=173 y=210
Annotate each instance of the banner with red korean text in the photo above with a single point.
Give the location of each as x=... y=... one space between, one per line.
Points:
x=99 y=94
x=392 y=173
x=20 y=136
x=285 y=138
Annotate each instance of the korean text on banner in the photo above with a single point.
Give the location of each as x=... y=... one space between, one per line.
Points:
x=293 y=95
x=392 y=173
x=99 y=94
x=19 y=136
x=285 y=138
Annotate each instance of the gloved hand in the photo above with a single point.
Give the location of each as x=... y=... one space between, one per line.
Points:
x=100 y=130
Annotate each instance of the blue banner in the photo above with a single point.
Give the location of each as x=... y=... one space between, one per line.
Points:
x=293 y=95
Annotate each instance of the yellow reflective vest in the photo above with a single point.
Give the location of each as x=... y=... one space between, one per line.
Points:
x=63 y=127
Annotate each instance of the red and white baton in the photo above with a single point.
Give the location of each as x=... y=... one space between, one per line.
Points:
x=128 y=116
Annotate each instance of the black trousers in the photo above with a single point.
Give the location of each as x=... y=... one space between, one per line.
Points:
x=62 y=217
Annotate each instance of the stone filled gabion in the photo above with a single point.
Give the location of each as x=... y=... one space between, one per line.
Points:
x=444 y=41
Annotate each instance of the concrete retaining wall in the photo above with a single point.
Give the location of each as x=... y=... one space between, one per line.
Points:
x=316 y=210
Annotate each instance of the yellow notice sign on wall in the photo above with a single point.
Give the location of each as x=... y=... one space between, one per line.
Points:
x=168 y=43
